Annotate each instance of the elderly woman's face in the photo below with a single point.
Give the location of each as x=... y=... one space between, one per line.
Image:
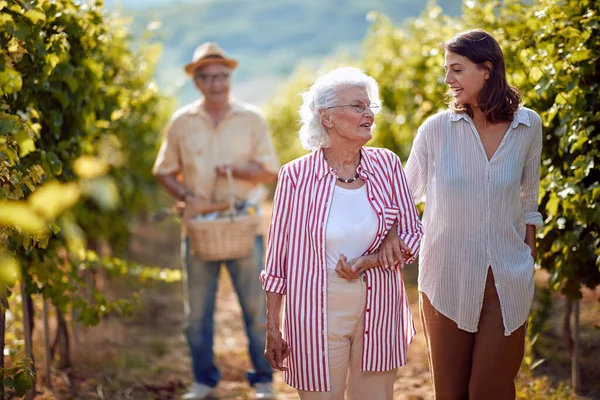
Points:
x=352 y=118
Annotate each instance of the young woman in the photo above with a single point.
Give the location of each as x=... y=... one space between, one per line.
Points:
x=478 y=165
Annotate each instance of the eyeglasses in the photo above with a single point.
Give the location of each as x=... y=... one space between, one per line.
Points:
x=360 y=107
x=210 y=78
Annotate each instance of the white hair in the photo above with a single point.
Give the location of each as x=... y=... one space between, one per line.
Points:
x=324 y=93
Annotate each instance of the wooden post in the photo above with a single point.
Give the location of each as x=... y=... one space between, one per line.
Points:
x=568 y=336
x=575 y=377
x=47 y=355
x=62 y=343
x=3 y=307
x=27 y=328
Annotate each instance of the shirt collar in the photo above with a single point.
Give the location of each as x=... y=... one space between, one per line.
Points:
x=197 y=107
x=521 y=117
x=455 y=116
x=321 y=168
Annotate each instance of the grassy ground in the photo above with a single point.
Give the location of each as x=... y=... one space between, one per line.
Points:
x=552 y=378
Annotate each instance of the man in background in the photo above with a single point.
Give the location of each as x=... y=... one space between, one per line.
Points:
x=202 y=141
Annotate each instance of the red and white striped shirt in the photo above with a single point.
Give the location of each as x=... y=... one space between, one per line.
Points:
x=296 y=264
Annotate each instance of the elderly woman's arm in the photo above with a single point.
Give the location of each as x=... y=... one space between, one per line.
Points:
x=393 y=249
x=410 y=229
x=276 y=349
x=274 y=276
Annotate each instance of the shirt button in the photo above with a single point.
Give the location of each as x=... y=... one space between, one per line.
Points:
x=368 y=287
x=379 y=213
x=366 y=332
x=368 y=310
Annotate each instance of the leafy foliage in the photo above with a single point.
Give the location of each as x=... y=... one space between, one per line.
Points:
x=567 y=44
x=18 y=378
x=79 y=121
x=409 y=72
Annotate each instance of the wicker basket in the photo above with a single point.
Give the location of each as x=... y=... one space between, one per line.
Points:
x=225 y=238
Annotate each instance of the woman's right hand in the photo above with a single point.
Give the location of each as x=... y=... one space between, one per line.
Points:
x=393 y=250
x=345 y=270
x=276 y=349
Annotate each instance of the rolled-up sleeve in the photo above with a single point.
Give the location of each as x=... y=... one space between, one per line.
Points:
x=274 y=276
x=530 y=180
x=168 y=160
x=410 y=229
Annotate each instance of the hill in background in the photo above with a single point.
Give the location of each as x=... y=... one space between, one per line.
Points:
x=270 y=38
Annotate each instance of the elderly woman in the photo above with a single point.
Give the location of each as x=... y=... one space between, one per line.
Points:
x=347 y=319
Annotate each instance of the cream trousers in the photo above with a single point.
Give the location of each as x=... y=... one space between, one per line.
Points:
x=345 y=321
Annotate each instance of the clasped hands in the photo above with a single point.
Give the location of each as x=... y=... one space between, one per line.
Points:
x=393 y=250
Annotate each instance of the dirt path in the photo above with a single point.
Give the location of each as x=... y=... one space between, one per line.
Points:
x=145 y=357
x=163 y=311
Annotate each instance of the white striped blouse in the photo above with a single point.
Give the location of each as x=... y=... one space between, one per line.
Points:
x=475 y=215
x=296 y=264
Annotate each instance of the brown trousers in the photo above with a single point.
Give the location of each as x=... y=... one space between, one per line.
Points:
x=473 y=366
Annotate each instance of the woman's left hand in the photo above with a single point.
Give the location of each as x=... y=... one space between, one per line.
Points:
x=530 y=240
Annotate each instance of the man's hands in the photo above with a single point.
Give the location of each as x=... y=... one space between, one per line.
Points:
x=193 y=206
x=188 y=203
x=393 y=250
x=276 y=349
x=253 y=172
x=221 y=169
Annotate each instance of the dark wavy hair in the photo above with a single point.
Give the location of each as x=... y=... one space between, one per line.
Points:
x=498 y=100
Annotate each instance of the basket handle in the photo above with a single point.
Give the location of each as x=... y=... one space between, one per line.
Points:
x=231 y=189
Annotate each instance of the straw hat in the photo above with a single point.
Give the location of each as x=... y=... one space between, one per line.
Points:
x=207 y=53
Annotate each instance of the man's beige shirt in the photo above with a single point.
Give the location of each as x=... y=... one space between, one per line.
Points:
x=193 y=147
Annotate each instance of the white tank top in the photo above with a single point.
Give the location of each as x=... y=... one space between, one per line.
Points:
x=351 y=226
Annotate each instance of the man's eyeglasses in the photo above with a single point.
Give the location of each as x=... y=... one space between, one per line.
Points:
x=360 y=107
x=210 y=78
